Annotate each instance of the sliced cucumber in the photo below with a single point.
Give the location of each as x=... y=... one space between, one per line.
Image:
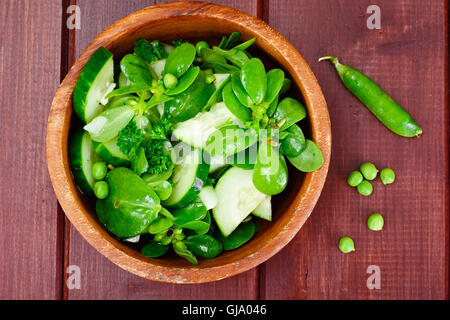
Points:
x=82 y=156
x=158 y=67
x=216 y=163
x=110 y=153
x=264 y=210
x=237 y=198
x=196 y=131
x=209 y=197
x=188 y=179
x=220 y=79
x=96 y=78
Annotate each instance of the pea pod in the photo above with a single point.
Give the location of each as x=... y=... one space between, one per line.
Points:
x=242 y=234
x=311 y=158
x=270 y=175
x=136 y=70
x=275 y=79
x=254 y=79
x=294 y=143
x=180 y=59
x=389 y=112
x=289 y=111
x=236 y=108
x=204 y=246
x=154 y=250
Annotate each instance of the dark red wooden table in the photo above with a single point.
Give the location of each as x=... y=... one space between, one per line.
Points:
x=408 y=56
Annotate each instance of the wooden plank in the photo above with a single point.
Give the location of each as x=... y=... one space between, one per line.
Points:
x=407 y=56
x=30 y=233
x=101 y=279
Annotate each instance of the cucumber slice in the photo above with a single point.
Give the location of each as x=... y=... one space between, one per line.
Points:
x=158 y=67
x=196 y=131
x=96 y=78
x=110 y=153
x=264 y=210
x=188 y=179
x=237 y=198
x=216 y=163
x=209 y=197
x=82 y=156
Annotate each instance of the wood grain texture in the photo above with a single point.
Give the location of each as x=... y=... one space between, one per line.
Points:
x=30 y=237
x=408 y=58
x=101 y=279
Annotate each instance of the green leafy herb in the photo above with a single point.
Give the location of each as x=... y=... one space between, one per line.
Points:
x=130 y=138
x=158 y=159
x=178 y=42
x=149 y=51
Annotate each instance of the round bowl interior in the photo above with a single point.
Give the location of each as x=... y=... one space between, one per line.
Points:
x=193 y=21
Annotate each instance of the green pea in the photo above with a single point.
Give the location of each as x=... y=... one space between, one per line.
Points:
x=170 y=81
x=365 y=188
x=200 y=45
x=101 y=189
x=369 y=170
x=346 y=245
x=387 y=176
x=354 y=179
x=375 y=222
x=99 y=170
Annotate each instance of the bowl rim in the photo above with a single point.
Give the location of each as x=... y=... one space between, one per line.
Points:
x=78 y=215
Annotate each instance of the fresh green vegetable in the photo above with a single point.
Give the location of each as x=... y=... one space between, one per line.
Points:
x=101 y=189
x=99 y=170
x=387 y=176
x=204 y=246
x=264 y=209
x=375 y=222
x=149 y=51
x=294 y=143
x=289 y=111
x=365 y=188
x=180 y=59
x=346 y=245
x=94 y=82
x=154 y=250
x=200 y=45
x=243 y=233
x=170 y=81
x=368 y=170
x=354 y=178
x=311 y=158
x=389 y=112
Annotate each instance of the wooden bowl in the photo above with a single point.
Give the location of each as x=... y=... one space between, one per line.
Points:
x=193 y=21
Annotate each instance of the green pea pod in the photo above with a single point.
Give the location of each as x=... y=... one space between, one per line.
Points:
x=155 y=179
x=139 y=163
x=134 y=88
x=185 y=82
x=254 y=79
x=161 y=224
x=275 y=78
x=204 y=246
x=163 y=190
x=194 y=211
x=157 y=99
x=154 y=250
x=239 y=90
x=389 y=112
x=236 y=108
x=311 y=158
x=136 y=70
x=191 y=101
x=230 y=140
x=242 y=234
x=107 y=124
x=236 y=57
x=131 y=205
x=270 y=175
x=294 y=143
x=289 y=111
x=180 y=59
